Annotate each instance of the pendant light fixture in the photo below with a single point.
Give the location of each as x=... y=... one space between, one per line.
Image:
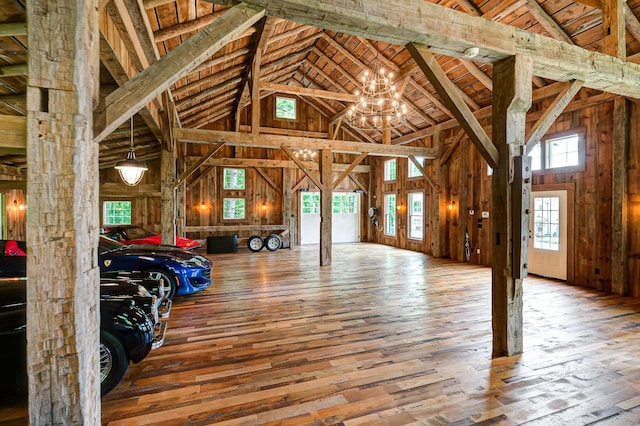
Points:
x=131 y=170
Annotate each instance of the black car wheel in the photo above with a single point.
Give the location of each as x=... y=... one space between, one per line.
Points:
x=113 y=362
x=255 y=243
x=168 y=281
x=273 y=242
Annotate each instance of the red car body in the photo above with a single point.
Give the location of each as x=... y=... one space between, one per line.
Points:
x=130 y=234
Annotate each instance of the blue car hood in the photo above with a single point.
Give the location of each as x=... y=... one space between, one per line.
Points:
x=152 y=250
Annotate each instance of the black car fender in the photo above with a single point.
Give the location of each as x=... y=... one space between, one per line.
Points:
x=129 y=324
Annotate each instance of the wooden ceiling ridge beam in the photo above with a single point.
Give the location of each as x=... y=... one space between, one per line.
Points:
x=416 y=21
x=185 y=27
x=149 y=83
x=277 y=164
x=551 y=114
x=275 y=141
x=446 y=89
x=314 y=177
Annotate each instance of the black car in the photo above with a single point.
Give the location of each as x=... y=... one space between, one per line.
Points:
x=126 y=335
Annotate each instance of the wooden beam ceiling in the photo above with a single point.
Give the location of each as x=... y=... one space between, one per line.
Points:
x=451 y=33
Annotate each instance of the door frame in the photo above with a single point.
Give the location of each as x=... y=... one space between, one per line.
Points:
x=571 y=189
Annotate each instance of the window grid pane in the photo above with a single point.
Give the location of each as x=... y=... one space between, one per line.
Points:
x=117 y=212
x=563 y=152
x=536 y=157
x=233 y=179
x=390 y=170
x=310 y=204
x=546 y=223
x=233 y=208
x=286 y=108
x=390 y=214
x=416 y=218
x=413 y=170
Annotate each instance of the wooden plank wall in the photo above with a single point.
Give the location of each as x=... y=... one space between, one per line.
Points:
x=593 y=192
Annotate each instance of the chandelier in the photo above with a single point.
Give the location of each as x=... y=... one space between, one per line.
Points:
x=131 y=170
x=305 y=155
x=378 y=105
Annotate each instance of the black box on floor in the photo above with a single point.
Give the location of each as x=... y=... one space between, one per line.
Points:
x=222 y=244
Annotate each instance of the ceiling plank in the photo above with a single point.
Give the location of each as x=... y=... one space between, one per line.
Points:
x=304 y=91
x=450 y=32
x=551 y=114
x=446 y=89
x=137 y=92
x=185 y=27
x=275 y=141
x=547 y=22
x=13 y=70
x=473 y=69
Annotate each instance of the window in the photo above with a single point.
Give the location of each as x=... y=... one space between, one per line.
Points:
x=344 y=204
x=413 y=170
x=390 y=170
x=416 y=215
x=390 y=214
x=546 y=223
x=286 y=108
x=233 y=208
x=116 y=212
x=310 y=203
x=557 y=153
x=233 y=179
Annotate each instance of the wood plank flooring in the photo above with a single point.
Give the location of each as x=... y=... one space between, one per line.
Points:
x=381 y=337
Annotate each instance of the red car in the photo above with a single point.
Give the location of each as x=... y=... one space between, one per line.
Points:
x=130 y=234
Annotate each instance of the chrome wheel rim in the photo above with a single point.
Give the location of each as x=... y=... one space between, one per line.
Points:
x=106 y=362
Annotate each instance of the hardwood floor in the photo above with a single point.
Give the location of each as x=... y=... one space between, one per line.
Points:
x=382 y=336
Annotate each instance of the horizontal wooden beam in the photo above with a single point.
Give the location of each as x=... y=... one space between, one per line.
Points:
x=303 y=91
x=450 y=32
x=277 y=164
x=277 y=141
x=232 y=228
x=13 y=70
x=8 y=185
x=10 y=29
x=13 y=134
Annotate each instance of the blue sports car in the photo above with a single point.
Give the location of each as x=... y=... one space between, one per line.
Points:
x=182 y=271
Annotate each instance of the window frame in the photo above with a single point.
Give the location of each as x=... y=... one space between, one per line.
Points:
x=244 y=200
x=410 y=214
x=543 y=142
x=287 y=98
x=224 y=180
x=388 y=212
x=395 y=178
x=105 y=215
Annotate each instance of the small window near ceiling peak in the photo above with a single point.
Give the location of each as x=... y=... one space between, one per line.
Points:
x=558 y=153
x=285 y=108
x=116 y=213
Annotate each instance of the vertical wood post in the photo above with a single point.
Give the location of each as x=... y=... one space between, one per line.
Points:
x=439 y=245
x=255 y=92
x=620 y=206
x=326 y=206
x=287 y=201
x=62 y=179
x=511 y=188
x=613 y=27
x=463 y=192
x=167 y=174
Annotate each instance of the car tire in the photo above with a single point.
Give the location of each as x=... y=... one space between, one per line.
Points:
x=113 y=362
x=168 y=281
x=255 y=243
x=273 y=242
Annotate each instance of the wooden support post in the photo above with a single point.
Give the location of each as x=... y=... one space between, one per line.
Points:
x=439 y=245
x=511 y=188
x=167 y=173
x=63 y=319
x=613 y=26
x=463 y=191
x=620 y=202
x=287 y=201
x=326 y=206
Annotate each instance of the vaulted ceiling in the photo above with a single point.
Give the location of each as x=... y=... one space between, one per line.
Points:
x=320 y=66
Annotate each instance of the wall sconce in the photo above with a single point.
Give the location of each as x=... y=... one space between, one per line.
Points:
x=452 y=205
x=264 y=207
x=203 y=206
x=18 y=207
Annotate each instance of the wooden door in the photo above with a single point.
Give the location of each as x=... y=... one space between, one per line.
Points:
x=548 y=234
